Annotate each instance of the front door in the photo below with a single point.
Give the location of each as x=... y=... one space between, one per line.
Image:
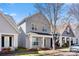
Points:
x=6 y=41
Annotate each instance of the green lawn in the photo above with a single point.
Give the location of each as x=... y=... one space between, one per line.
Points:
x=30 y=53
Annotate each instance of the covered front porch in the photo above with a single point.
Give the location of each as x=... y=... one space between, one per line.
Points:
x=8 y=41
x=40 y=40
x=67 y=40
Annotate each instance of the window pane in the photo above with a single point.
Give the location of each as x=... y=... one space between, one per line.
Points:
x=2 y=41
x=32 y=26
x=35 y=41
x=10 y=41
x=44 y=29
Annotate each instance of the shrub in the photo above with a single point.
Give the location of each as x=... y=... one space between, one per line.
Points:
x=20 y=49
x=65 y=45
x=33 y=49
x=6 y=50
x=44 y=49
x=38 y=49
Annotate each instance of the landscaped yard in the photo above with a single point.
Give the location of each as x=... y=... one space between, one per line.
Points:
x=32 y=52
x=23 y=52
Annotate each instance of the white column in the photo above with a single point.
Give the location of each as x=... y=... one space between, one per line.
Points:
x=15 y=42
x=70 y=41
x=43 y=42
x=60 y=41
x=65 y=40
x=30 y=38
x=53 y=43
x=74 y=40
x=6 y=41
x=0 y=42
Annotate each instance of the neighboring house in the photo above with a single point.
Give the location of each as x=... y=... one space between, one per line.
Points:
x=8 y=33
x=67 y=35
x=77 y=34
x=35 y=32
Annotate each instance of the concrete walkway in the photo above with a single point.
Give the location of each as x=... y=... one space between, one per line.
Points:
x=59 y=52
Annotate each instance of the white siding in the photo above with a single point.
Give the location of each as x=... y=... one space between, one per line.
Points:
x=15 y=40
x=5 y=27
x=26 y=27
x=39 y=21
x=22 y=35
x=48 y=43
x=23 y=26
x=27 y=42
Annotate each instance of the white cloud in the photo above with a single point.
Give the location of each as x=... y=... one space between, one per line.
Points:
x=1 y=9
x=13 y=14
x=11 y=3
x=5 y=13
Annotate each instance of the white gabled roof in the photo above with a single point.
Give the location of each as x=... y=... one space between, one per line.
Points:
x=68 y=31
x=10 y=20
x=36 y=14
x=61 y=28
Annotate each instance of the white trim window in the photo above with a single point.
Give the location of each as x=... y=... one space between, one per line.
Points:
x=76 y=41
x=44 y=29
x=35 y=41
x=34 y=27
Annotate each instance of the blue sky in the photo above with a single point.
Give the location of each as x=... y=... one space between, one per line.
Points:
x=18 y=11
x=21 y=10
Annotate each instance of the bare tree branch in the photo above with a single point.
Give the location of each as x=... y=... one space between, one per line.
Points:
x=74 y=11
x=51 y=11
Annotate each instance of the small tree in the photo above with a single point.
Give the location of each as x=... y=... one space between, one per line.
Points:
x=52 y=12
